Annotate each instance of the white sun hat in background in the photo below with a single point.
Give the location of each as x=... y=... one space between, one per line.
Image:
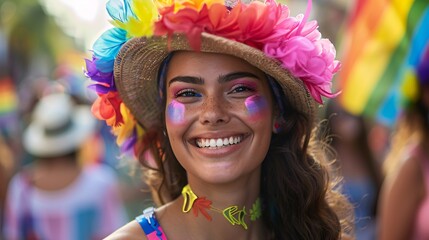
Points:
x=58 y=126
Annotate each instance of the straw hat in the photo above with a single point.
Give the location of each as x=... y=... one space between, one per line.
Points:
x=126 y=59
x=58 y=127
x=138 y=62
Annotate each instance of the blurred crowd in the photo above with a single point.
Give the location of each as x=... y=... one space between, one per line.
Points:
x=61 y=174
x=55 y=155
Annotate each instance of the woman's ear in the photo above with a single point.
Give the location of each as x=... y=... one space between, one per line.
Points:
x=278 y=125
x=277 y=121
x=276 y=128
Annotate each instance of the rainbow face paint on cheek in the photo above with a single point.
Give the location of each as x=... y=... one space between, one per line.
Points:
x=256 y=106
x=175 y=112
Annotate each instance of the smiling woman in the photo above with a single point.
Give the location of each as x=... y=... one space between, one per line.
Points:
x=218 y=100
x=229 y=99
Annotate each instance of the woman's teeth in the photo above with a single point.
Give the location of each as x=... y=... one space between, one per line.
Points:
x=218 y=142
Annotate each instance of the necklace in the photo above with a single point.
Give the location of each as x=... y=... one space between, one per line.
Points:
x=232 y=213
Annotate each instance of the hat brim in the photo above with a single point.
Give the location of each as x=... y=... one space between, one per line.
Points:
x=137 y=65
x=39 y=144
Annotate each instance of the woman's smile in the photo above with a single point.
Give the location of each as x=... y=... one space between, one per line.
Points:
x=214 y=143
x=218 y=145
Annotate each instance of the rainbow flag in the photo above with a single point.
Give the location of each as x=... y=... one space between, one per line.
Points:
x=8 y=99
x=384 y=41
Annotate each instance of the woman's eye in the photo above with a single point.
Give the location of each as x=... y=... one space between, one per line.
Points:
x=187 y=93
x=240 y=89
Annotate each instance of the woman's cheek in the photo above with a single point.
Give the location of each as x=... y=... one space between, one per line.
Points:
x=257 y=107
x=175 y=114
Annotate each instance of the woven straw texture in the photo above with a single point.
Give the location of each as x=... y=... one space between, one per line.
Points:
x=137 y=65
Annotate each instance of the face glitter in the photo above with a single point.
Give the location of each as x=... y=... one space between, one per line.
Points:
x=176 y=112
x=256 y=107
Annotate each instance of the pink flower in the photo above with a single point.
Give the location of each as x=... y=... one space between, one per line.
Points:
x=311 y=61
x=257 y=22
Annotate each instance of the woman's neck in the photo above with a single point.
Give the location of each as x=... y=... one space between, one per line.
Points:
x=222 y=211
x=180 y=225
x=235 y=214
x=242 y=192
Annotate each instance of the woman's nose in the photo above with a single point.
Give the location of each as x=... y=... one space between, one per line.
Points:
x=214 y=111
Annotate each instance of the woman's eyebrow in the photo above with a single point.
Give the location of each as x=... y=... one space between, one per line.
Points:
x=235 y=75
x=221 y=79
x=187 y=79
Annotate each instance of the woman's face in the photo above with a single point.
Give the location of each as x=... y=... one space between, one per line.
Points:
x=219 y=116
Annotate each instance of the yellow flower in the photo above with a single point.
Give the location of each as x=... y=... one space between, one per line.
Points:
x=146 y=13
x=126 y=129
x=163 y=3
x=140 y=131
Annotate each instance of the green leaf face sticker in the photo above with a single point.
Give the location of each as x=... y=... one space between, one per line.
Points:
x=235 y=216
x=255 y=212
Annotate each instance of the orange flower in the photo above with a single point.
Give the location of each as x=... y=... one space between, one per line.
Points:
x=188 y=21
x=224 y=21
x=107 y=107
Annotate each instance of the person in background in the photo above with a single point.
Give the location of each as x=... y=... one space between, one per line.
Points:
x=404 y=200
x=55 y=197
x=218 y=101
x=7 y=168
x=361 y=171
x=9 y=124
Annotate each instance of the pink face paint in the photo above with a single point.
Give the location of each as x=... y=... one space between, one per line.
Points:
x=256 y=106
x=175 y=112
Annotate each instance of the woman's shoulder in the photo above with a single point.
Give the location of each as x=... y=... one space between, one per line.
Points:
x=145 y=226
x=407 y=176
x=130 y=231
x=411 y=161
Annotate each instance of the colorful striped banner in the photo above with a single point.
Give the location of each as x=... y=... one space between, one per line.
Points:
x=8 y=98
x=384 y=42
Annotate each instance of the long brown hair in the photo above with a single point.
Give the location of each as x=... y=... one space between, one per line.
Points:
x=307 y=206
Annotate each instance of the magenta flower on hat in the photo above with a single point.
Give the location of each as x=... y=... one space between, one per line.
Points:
x=312 y=62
